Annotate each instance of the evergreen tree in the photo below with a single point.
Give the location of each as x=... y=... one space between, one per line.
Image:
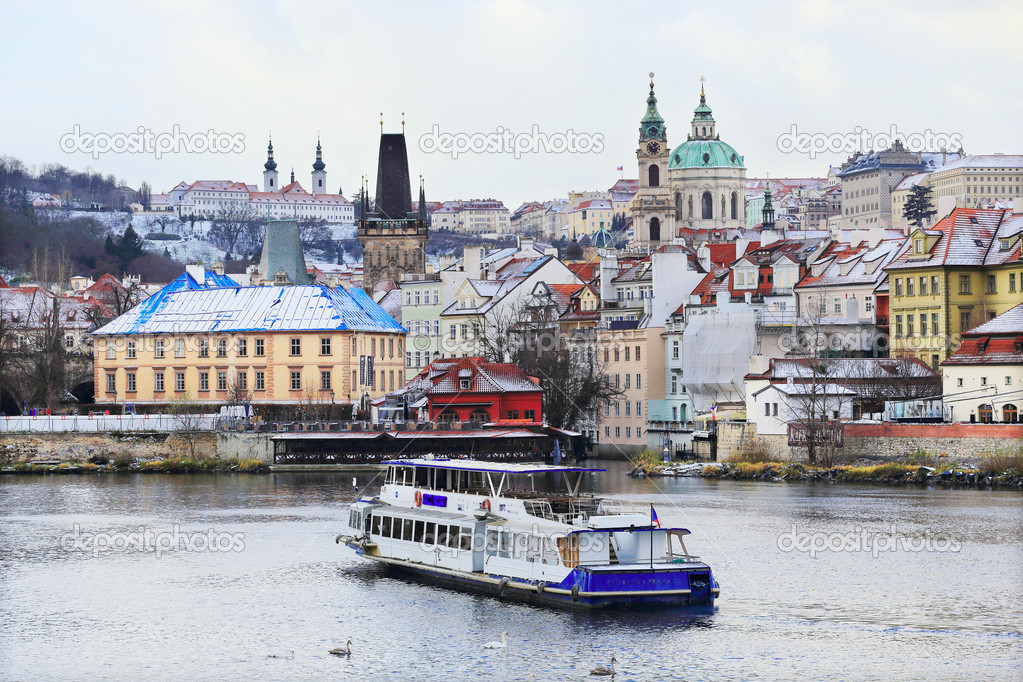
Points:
x=109 y=247
x=130 y=247
x=918 y=206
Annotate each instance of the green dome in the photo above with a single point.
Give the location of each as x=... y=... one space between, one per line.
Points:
x=602 y=239
x=705 y=154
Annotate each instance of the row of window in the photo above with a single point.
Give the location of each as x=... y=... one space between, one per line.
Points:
x=616 y=353
x=161 y=347
x=628 y=380
x=241 y=381
x=617 y=406
x=618 y=432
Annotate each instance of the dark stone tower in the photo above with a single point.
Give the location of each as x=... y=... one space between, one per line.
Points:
x=393 y=237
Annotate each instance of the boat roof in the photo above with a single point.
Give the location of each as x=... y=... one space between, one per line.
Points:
x=492 y=467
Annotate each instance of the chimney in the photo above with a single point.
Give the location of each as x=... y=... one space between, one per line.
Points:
x=758 y=364
x=197 y=271
x=218 y=267
x=703 y=255
x=1017 y=206
x=748 y=296
x=472 y=261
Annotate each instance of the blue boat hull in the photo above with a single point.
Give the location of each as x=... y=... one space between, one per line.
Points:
x=634 y=587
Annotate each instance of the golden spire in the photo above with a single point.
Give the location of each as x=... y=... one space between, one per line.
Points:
x=651 y=80
x=381 y=122
x=403 y=123
x=702 y=79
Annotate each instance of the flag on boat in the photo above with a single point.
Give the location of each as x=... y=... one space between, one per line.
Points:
x=620 y=168
x=653 y=516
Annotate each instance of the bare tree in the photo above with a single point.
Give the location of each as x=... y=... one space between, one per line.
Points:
x=188 y=421
x=235 y=227
x=529 y=335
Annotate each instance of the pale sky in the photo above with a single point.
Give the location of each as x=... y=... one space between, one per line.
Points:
x=243 y=68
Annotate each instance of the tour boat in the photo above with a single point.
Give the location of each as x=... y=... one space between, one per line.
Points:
x=484 y=526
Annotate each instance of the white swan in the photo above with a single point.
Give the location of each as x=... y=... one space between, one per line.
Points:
x=347 y=651
x=503 y=644
x=601 y=670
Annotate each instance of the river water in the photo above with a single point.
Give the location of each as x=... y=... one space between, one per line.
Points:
x=937 y=596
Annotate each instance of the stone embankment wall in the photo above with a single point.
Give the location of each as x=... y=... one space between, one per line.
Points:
x=884 y=441
x=27 y=447
x=245 y=445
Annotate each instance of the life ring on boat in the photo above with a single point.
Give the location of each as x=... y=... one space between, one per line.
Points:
x=486 y=504
x=419 y=498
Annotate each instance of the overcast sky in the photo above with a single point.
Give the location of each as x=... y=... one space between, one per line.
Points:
x=243 y=68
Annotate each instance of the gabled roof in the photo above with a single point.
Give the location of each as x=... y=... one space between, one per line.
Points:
x=964 y=237
x=483 y=376
x=837 y=369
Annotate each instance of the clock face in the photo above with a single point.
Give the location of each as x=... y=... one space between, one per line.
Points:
x=653 y=147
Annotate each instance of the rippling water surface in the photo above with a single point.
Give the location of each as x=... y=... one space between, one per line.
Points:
x=69 y=613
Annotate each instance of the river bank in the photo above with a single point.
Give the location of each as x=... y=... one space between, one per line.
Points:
x=1000 y=472
x=122 y=464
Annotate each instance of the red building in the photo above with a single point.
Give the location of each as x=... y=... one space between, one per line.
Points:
x=474 y=390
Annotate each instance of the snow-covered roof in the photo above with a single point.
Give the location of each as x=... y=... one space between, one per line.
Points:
x=267 y=308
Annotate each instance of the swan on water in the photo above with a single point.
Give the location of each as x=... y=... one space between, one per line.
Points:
x=503 y=644
x=601 y=670
x=347 y=651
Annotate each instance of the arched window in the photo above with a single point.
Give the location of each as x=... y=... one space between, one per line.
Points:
x=704 y=133
x=655 y=230
x=985 y=414
x=448 y=416
x=654 y=175
x=708 y=206
x=1010 y=415
x=735 y=206
x=480 y=416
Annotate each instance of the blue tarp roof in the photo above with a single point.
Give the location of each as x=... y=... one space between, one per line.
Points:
x=184 y=307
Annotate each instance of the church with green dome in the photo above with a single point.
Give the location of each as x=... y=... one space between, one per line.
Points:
x=698 y=185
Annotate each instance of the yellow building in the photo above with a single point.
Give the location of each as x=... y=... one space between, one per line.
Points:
x=960 y=273
x=272 y=344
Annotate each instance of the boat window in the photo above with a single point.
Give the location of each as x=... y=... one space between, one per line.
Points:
x=387 y=526
x=504 y=545
x=378 y=522
x=355 y=519
x=430 y=536
x=452 y=539
x=406 y=533
x=417 y=533
x=492 y=542
x=422 y=477
x=465 y=539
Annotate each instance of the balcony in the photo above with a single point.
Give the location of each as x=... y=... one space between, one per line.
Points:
x=670 y=426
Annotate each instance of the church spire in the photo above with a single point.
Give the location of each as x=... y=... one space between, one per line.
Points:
x=651 y=127
x=422 y=200
x=767 y=221
x=319 y=165
x=293 y=174
x=270 y=164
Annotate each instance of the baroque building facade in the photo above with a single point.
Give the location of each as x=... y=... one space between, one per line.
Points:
x=699 y=185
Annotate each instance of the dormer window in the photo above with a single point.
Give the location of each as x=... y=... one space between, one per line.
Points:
x=918 y=246
x=463 y=384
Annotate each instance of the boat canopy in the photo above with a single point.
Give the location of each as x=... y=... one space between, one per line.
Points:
x=489 y=467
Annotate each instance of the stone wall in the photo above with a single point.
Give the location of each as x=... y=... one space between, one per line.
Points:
x=883 y=441
x=26 y=447
x=245 y=445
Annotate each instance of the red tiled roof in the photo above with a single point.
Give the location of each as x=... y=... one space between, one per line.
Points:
x=486 y=377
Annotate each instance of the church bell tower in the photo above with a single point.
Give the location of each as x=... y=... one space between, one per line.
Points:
x=650 y=214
